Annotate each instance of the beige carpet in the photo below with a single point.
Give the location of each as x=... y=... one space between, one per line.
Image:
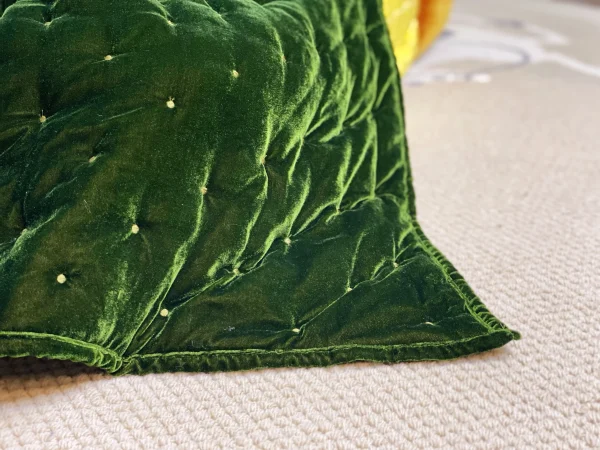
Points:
x=506 y=159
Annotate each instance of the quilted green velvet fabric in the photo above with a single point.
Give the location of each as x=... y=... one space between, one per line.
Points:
x=206 y=185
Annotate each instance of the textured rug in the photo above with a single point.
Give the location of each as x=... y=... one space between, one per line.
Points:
x=504 y=146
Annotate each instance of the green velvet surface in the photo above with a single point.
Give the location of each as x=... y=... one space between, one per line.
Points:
x=240 y=166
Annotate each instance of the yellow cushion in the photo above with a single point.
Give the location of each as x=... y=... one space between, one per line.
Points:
x=413 y=25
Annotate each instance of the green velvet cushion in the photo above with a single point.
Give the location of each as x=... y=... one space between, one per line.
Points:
x=199 y=185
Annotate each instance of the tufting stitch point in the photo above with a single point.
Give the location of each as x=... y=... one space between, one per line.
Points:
x=171 y=103
x=287 y=241
x=235 y=73
x=349 y=289
x=43 y=118
x=395 y=265
x=236 y=271
x=92 y=159
x=61 y=278
x=170 y=23
x=164 y=312
x=135 y=229
x=108 y=58
x=296 y=330
x=204 y=190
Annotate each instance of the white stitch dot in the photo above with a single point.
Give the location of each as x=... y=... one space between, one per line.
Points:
x=235 y=73
x=349 y=289
x=164 y=312
x=171 y=103
x=296 y=330
x=92 y=159
x=395 y=265
x=236 y=271
x=61 y=278
x=42 y=118
x=288 y=241
x=47 y=23
x=108 y=58
x=170 y=23
x=428 y=323
x=204 y=190
x=135 y=229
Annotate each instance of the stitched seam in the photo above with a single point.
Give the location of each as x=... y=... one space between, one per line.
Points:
x=490 y=323
x=468 y=299
x=319 y=349
x=253 y=351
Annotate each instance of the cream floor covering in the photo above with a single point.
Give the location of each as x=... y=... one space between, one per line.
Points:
x=506 y=158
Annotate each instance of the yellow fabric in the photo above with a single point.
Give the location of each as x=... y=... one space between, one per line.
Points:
x=413 y=25
x=402 y=17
